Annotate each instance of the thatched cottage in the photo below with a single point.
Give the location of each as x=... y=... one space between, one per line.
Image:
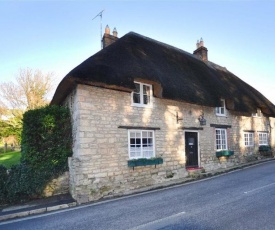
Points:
x=144 y=112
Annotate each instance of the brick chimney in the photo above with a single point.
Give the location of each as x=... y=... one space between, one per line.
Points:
x=108 y=39
x=201 y=51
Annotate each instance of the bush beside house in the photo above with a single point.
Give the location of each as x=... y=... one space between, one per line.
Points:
x=46 y=146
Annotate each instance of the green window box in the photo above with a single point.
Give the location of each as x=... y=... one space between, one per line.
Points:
x=264 y=148
x=144 y=161
x=224 y=153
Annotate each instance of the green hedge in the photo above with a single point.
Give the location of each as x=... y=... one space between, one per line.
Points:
x=45 y=147
x=46 y=138
x=3 y=181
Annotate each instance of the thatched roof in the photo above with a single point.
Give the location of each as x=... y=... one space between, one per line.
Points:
x=176 y=74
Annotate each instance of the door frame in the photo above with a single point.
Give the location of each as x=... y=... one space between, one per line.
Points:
x=199 y=152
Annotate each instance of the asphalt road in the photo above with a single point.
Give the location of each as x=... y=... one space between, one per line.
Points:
x=243 y=199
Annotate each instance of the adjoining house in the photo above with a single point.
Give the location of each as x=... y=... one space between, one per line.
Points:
x=145 y=112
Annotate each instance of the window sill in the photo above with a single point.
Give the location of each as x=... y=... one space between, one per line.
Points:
x=142 y=105
x=144 y=161
x=224 y=153
x=221 y=115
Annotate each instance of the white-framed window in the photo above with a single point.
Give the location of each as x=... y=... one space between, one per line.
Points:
x=221 y=139
x=257 y=114
x=220 y=111
x=141 y=144
x=142 y=95
x=263 y=138
x=248 y=139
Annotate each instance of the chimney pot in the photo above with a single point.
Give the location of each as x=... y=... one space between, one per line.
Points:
x=201 y=51
x=108 y=39
x=198 y=44
x=201 y=42
x=107 y=30
x=115 y=32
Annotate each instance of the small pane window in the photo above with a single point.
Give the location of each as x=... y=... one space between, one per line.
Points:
x=221 y=139
x=263 y=139
x=249 y=139
x=257 y=114
x=220 y=111
x=141 y=144
x=142 y=94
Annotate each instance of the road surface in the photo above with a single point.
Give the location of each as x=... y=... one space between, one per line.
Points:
x=243 y=199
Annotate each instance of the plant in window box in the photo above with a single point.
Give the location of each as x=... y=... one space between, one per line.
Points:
x=224 y=153
x=145 y=161
x=264 y=148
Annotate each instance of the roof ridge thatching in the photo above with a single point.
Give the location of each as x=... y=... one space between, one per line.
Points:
x=181 y=75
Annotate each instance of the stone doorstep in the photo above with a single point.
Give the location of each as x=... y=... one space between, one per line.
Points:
x=36 y=211
x=195 y=170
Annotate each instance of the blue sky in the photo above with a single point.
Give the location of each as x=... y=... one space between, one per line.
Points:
x=56 y=36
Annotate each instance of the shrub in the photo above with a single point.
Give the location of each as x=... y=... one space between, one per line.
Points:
x=46 y=138
x=25 y=183
x=3 y=181
x=45 y=147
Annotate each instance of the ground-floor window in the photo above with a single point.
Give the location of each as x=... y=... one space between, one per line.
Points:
x=248 y=139
x=263 y=138
x=221 y=139
x=141 y=144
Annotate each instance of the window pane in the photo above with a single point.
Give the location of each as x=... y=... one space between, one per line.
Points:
x=144 y=142
x=146 y=89
x=136 y=98
x=146 y=99
x=144 y=134
x=132 y=154
x=150 y=141
x=137 y=89
x=148 y=154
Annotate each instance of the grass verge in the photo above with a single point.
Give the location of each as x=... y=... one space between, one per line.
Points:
x=10 y=158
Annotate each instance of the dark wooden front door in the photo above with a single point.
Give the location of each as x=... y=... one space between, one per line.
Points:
x=191 y=149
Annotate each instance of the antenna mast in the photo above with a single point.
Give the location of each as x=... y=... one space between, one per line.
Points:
x=100 y=15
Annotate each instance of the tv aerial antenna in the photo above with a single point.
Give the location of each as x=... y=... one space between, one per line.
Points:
x=100 y=15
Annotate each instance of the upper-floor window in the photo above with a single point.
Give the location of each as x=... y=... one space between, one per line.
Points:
x=221 y=139
x=220 y=111
x=142 y=95
x=141 y=144
x=263 y=138
x=248 y=139
x=257 y=114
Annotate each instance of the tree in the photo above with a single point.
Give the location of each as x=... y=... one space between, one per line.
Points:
x=30 y=90
x=11 y=127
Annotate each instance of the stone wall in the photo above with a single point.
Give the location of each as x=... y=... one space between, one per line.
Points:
x=99 y=167
x=58 y=186
x=272 y=132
